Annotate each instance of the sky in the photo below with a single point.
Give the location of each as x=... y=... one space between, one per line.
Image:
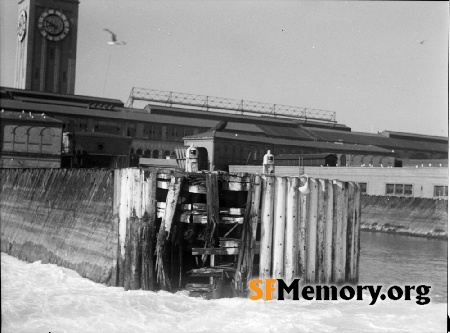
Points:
x=380 y=65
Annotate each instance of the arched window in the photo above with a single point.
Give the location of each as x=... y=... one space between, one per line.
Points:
x=155 y=154
x=147 y=153
x=34 y=139
x=34 y=136
x=255 y=154
x=343 y=160
x=139 y=152
x=166 y=153
x=47 y=136
x=20 y=135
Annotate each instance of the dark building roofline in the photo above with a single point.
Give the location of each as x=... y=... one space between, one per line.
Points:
x=236 y=117
x=59 y=99
x=304 y=156
x=28 y=117
x=381 y=140
x=414 y=136
x=363 y=149
x=102 y=135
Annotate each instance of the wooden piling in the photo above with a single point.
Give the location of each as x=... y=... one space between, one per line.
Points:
x=212 y=209
x=339 y=244
x=291 y=246
x=349 y=257
x=268 y=193
x=304 y=200
x=164 y=231
x=116 y=221
x=357 y=232
x=321 y=220
x=353 y=278
x=148 y=232
x=279 y=228
x=254 y=217
x=135 y=254
x=243 y=263
x=311 y=241
x=328 y=240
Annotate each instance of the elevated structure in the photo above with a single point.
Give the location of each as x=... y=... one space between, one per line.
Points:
x=170 y=98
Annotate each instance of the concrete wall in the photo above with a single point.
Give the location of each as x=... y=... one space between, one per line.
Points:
x=62 y=217
x=413 y=216
x=423 y=180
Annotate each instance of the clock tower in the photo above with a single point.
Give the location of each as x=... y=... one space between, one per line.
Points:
x=47 y=45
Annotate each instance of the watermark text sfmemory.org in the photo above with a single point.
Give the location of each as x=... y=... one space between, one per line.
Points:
x=269 y=289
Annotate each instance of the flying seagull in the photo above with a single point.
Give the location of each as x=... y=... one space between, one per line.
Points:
x=113 y=38
x=421 y=42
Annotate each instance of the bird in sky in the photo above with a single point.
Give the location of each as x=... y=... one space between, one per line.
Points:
x=421 y=42
x=113 y=38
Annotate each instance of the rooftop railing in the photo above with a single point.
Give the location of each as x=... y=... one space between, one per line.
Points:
x=170 y=98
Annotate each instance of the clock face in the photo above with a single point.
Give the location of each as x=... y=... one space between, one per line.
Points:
x=22 y=27
x=53 y=25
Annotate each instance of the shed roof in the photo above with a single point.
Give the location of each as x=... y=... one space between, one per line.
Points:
x=304 y=156
x=29 y=117
x=378 y=140
x=286 y=142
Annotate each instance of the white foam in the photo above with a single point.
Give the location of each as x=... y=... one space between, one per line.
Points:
x=47 y=298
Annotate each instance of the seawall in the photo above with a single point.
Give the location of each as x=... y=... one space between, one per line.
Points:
x=408 y=216
x=62 y=217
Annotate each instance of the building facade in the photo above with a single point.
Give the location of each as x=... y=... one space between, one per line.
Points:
x=101 y=132
x=426 y=182
x=29 y=140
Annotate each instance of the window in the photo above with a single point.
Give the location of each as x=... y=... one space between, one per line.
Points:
x=140 y=130
x=131 y=131
x=389 y=188
x=155 y=133
x=147 y=131
x=441 y=191
x=363 y=188
x=82 y=124
x=408 y=190
x=399 y=189
x=107 y=127
x=188 y=131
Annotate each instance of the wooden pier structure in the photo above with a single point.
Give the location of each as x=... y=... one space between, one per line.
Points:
x=211 y=233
